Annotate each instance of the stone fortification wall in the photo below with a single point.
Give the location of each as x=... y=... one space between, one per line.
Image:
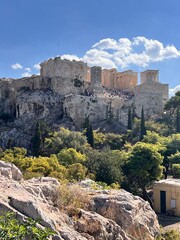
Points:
x=112 y=79
x=125 y=80
x=150 y=96
x=95 y=84
x=58 y=67
x=65 y=86
x=108 y=77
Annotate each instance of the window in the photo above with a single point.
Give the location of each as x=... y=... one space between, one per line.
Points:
x=173 y=203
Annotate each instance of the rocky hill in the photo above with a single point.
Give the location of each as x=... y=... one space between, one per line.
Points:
x=71 y=90
x=111 y=215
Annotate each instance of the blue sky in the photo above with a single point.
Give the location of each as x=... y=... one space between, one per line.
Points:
x=130 y=34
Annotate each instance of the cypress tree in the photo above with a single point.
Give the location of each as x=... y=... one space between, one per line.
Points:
x=37 y=141
x=129 y=120
x=90 y=136
x=143 y=128
x=89 y=132
x=177 y=121
x=133 y=114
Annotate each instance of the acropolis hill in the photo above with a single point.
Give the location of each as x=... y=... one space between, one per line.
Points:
x=71 y=91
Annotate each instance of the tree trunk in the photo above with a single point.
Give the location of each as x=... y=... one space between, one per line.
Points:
x=166 y=172
x=146 y=197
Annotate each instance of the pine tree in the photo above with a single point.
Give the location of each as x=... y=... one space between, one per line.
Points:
x=37 y=141
x=143 y=128
x=177 y=121
x=89 y=132
x=129 y=120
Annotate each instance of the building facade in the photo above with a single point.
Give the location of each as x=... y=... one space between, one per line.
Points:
x=166 y=195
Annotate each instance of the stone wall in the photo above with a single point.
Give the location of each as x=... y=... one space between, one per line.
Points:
x=150 y=76
x=152 y=97
x=112 y=79
x=58 y=67
x=108 y=77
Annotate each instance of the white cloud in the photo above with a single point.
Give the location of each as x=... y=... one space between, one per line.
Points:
x=107 y=43
x=70 y=57
x=26 y=74
x=155 y=49
x=172 y=91
x=121 y=53
x=16 y=66
x=95 y=57
x=124 y=52
x=37 y=66
x=27 y=69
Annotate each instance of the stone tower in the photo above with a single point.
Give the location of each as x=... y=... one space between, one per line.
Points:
x=150 y=76
x=96 y=84
x=96 y=75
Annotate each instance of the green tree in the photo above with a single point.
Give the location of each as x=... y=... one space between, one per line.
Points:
x=99 y=139
x=70 y=156
x=143 y=167
x=106 y=165
x=15 y=155
x=159 y=127
x=43 y=166
x=37 y=141
x=89 y=132
x=143 y=128
x=76 y=172
x=114 y=141
x=65 y=139
x=130 y=120
x=172 y=112
x=174 y=158
x=173 y=103
x=177 y=120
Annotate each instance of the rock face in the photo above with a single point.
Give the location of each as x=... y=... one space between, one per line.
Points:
x=114 y=215
x=10 y=171
x=133 y=214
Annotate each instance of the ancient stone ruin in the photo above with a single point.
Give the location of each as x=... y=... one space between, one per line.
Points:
x=71 y=89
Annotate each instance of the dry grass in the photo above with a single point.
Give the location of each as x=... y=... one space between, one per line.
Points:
x=72 y=197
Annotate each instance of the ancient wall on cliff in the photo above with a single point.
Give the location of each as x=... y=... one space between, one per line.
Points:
x=112 y=79
x=64 y=68
x=150 y=96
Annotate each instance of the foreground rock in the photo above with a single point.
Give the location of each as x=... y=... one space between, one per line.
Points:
x=132 y=213
x=116 y=215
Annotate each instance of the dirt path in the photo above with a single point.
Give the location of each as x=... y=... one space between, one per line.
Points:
x=168 y=222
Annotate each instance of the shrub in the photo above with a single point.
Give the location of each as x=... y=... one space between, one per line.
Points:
x=73 y=197
x=176 y=170
x=11 y=228
x=169 y=235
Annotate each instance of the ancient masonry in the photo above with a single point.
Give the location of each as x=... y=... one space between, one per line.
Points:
x=100 y=93
x=72 y=89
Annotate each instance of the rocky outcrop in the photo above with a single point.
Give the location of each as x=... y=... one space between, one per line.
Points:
x=10 y=171
x=116 y=215
x=92 y=224
x=132 y=213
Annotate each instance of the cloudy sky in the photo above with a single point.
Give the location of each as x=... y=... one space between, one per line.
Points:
x=131 y=34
